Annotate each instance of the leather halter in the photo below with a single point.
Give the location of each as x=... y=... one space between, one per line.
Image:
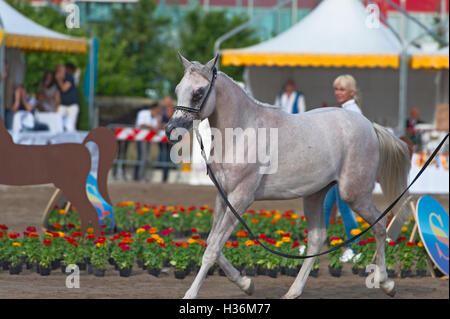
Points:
x=205 y=99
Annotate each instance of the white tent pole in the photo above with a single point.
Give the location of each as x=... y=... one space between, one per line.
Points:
x=403 y=89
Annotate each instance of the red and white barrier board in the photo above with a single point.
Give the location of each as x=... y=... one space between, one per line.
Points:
x=138 y=135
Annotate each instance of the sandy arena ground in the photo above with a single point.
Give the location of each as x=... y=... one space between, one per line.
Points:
x=23 y=206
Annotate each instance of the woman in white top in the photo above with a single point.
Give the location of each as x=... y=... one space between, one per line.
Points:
x=346 y=94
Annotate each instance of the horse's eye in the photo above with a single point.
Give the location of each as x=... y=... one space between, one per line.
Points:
x=198 y=94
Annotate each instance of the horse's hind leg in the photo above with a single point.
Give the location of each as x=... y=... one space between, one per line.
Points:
x=365 y=207
x=317 y=234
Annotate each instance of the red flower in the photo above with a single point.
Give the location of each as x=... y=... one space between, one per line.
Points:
x=392 y=243
x=295 y=244
x=263 y=236
x=150 y=240
x=370 y=240
x=410 y=244
x=163 y=245
x=1 y=234
x=193 y=230
x=401 y=238
x=3 y=227
x=70 y=240
x=13 y=235
x=339 y=221
x=271 y=241
x=305 y=241
x=362 y=243
x=124 y=247
x=234 y=244
x=90 y=236
x=196 y=237
x=306 y=231
x=286 y=235
x=124 y=233
x=158 y=215
x=31 y=229
x=146 y=227
x=76 y=234
x=70 y=226
x=47 y=242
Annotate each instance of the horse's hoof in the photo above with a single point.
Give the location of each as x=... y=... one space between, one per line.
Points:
x=249 y=286
x=287 y=296
x=190 y=295
x=389 y=288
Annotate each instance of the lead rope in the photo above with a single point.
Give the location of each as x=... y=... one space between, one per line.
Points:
x=387 y=210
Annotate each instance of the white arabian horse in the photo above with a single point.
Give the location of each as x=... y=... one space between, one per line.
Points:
x=316 y=150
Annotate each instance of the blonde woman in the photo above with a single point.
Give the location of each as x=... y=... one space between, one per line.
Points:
x=347 y=95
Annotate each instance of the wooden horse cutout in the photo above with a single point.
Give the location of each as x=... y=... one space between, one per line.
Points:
x=66 y=165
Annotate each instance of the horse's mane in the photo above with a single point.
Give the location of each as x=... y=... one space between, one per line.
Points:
x=246 y=92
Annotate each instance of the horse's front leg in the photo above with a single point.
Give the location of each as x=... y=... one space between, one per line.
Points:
x=222 y=229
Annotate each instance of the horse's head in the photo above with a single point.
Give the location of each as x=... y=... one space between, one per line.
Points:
x=196 y=96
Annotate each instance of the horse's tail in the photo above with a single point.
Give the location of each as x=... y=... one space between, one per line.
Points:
x=394 y=163
x=107 y=150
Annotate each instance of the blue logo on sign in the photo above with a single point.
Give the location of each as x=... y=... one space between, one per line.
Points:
x=433 y=224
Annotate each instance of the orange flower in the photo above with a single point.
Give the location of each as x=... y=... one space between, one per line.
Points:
x=274 y=221
x=33 y=235
x=153 y=230
x=57 y=225
x=254 y=221
x=127 y=240
x=241 y=233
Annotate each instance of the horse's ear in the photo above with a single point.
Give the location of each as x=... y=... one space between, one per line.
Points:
x=185 y=62
x=210 y=65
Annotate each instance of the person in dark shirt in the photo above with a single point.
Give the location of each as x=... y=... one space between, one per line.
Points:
x=411 y=123
x=70 y=106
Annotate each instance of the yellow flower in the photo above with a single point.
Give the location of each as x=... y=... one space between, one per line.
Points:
x=286 y=239
x=359 y=219
x=61 y=234
x=191 y=241
x=279 y=243
x=365 y=225
x=355 y=231
x=280 y=232
x=155 y=236
x=140 y=231
x=294 y=216
x=199 y=214
x=404 y=228
x=277 y=216
x=90 y=230
x=100 y=244
x=129 y=203
x=145 y=209
x=17 y=244
x=420 y=244
x=62 y=211
x=249 y=243
x=170 y=207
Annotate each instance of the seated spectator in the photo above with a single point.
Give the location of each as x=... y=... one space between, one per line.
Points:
x=148 y=118
x=70 y=106
x=411 y=122
x=164 y=148
x=48 y=97
x=22 y=109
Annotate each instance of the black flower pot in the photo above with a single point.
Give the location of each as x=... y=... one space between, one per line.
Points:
x=81 y=265
x=98 y=272
x=35 y=267
x=55 y=264
x=292 y=272
x=16 y=269
x=261 y=271
x=154 y=271
x=125 y=272
x=405 y=273
x=140 y=263
x=45 y=271
x=180 y=274
x=283 y=270
x=222 y=273
x=240 y=268
x=63 y=269
x=111 y=261
x=272 y=272
x=211 y=270
x=5 y=264
x=250 y=271
x=421 y=272
x=391 y=273
x=335 y=272
x=363 y=273
x=314 y=273
x=355 y=271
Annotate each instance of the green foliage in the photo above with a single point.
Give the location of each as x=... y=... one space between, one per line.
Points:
x=201 y=29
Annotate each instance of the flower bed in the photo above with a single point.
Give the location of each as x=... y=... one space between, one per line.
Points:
x=153 y=237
